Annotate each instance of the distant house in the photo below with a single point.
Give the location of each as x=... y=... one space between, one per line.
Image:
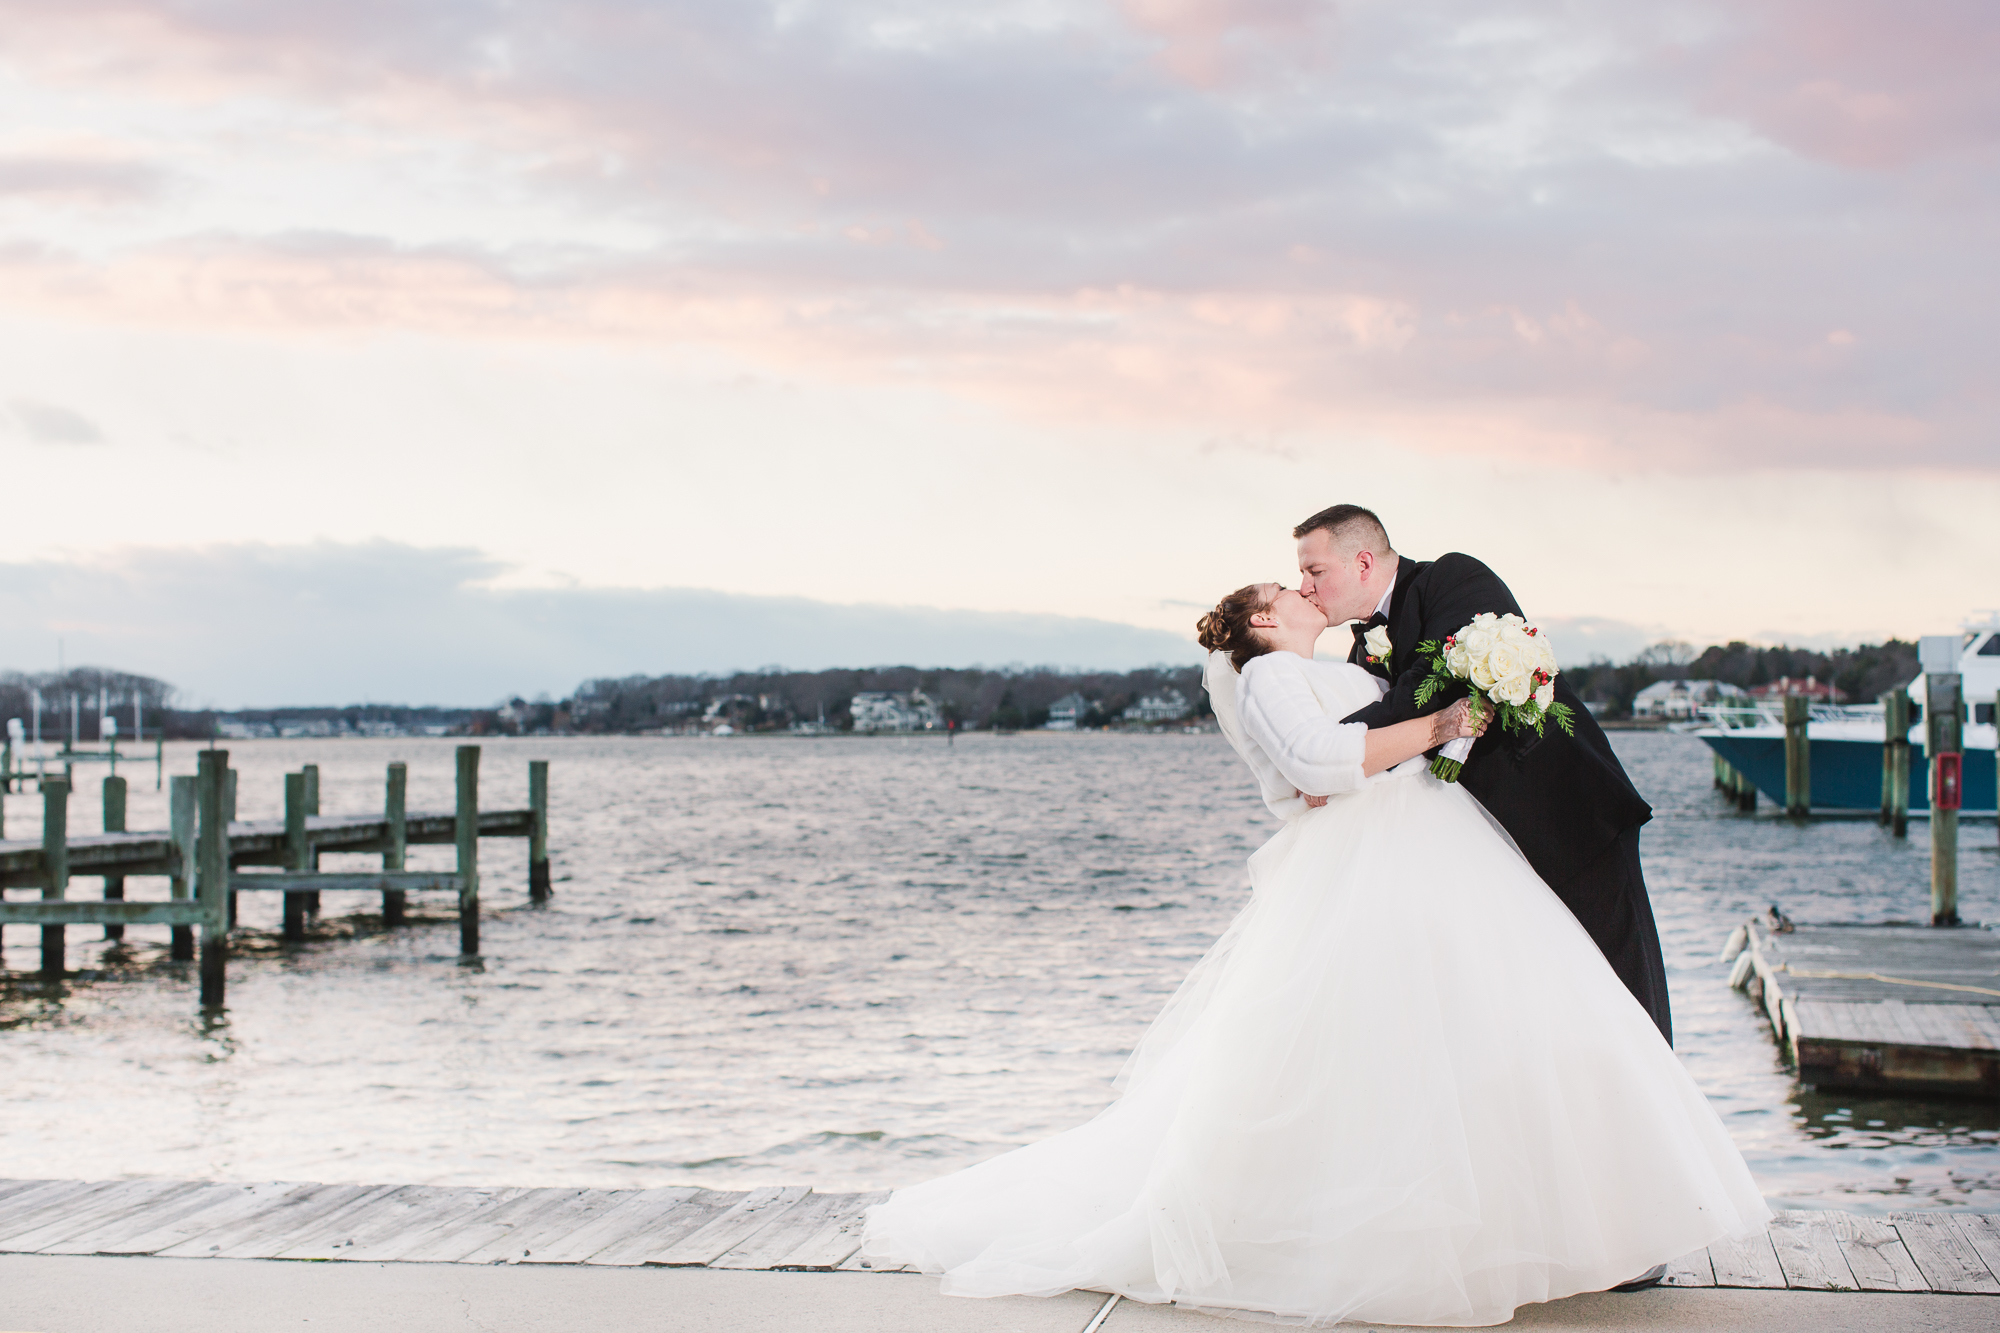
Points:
x=1818 y=691
x=1165 y=706
x=1066 y=712
x=1682 y=699
x=881 y=711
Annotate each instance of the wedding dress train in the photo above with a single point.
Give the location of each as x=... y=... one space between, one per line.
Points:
x=1403 y=1087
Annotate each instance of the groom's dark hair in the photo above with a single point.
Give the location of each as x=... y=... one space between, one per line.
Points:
x=1349 y=524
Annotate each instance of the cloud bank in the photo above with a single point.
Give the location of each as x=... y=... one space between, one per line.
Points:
x=255 y=625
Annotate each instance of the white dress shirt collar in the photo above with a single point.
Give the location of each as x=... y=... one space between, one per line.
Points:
x=1382 y=607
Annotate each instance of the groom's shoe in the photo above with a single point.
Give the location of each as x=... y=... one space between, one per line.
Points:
x=1650 y=1278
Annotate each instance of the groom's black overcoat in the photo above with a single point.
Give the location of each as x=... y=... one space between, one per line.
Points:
x=1565 y=799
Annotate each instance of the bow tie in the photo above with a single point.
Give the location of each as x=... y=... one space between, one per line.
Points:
x=1361 y=628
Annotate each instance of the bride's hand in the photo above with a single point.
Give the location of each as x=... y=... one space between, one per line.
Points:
x=1315 y=802
x=1456 y=721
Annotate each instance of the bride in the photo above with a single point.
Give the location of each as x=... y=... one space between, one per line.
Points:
x=1404 y=1087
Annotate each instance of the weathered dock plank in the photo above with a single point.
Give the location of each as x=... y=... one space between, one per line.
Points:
x=837 y=1241
x=23 y=1212
x=793 y=1227
x=1809 y=1252
x=797 y=1228
x=156 y=1229
x=1982 y=1233
x=55 y=1224
x=707 y=1223
x=1875 y=1254
x=389 y=1225
x=1945 y=1256
x=515 y=1238
x=632 y=1215
x=1746 y=1262
x=1690 y=1270
x=257 y=1234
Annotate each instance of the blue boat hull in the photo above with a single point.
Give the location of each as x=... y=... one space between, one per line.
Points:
x=1847 y=775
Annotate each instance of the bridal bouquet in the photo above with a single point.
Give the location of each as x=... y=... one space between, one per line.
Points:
x=1509 y=664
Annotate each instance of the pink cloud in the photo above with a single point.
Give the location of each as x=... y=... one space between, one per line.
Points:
x=1861 y=83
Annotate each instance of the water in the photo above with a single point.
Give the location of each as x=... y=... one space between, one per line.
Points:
x=850 y=963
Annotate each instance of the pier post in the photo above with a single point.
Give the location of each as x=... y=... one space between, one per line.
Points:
x=1942 y=746
x=1896 y=761
x=159 y=759
x=180 y=827
x=212 y=873
x=55 y=866
x=395 y=816
x=467 y=830
x=538 y=830
x=1746 y=793
x=114 y=822
x=1798 y=756
x=295 y=852
x=311 y=774
x=228 y=817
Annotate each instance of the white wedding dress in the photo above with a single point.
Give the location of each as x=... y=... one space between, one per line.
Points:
x=1404 y=1087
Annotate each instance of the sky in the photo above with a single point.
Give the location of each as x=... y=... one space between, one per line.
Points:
x=1029 y=329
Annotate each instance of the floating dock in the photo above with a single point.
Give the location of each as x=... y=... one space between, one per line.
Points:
x=1895 y=1008
x=792 y=1228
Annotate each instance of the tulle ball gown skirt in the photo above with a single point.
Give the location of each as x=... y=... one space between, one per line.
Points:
x=1404 y=1087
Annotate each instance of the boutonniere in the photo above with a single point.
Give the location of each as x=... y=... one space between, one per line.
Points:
x=1376 y=641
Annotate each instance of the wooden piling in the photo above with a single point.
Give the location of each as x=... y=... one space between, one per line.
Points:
x=55 y=867
x=311 y=774
x=394 y=814
x=114 y=822
x=212 y=873
x=1798 y=756
x=1942 y=740
x=296 y=855
x=538 y=835
x=228 y=818
x=181 y=810
x=468 y=850
x=1746 y=793
x=1896 y=761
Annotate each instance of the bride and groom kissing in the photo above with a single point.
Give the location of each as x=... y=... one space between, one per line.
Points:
x=1424 y=1077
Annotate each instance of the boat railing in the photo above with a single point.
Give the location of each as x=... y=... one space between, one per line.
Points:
x=1740 y=716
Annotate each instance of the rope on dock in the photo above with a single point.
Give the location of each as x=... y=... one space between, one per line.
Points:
x=1877 y=976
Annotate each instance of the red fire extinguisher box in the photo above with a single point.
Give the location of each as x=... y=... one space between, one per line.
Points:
x=1945 y=773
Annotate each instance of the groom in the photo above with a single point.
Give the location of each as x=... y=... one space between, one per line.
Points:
x=1565 y=799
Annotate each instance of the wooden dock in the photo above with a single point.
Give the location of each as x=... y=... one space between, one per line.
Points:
x=1909 y=1009
x=791 y=1227
x=203 y=856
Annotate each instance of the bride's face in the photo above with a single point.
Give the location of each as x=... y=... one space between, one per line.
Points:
x=1289 y=613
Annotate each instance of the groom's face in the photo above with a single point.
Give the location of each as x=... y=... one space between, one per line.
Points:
x=1339 y=584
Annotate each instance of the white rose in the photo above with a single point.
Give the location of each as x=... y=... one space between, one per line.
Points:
x=1545 y=695
x=1486 y=620
x=1480 y=672
x=1457 y=660
x=1503 y=661
x=1514 y=689
x=1515 y=635
x=1475 y=643
x=1376 y=640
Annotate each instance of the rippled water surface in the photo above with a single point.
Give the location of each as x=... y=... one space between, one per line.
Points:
x=841 y=962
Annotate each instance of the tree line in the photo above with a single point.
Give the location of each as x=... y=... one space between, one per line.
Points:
x=971 y=698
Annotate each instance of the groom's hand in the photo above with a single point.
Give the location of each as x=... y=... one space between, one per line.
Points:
x=1315 y=802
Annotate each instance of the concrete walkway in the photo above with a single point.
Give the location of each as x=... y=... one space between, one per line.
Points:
x=94 y=1294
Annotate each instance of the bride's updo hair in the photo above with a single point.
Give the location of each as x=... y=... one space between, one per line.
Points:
x=1227 y=629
